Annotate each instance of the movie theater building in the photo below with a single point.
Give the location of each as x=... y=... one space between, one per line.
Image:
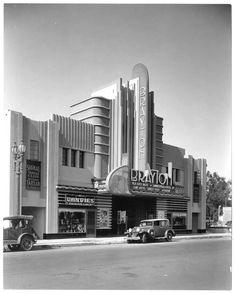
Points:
x=105 y=167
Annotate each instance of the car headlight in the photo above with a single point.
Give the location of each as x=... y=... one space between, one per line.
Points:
x=138 y=229
x=130 y=230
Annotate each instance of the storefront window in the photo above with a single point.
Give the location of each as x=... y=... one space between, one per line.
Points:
x=72 y=221
x=179 y=220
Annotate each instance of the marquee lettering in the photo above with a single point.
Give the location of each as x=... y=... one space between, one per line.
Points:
x=151 y=177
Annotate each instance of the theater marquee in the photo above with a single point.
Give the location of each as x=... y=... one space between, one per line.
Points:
x=153 y=181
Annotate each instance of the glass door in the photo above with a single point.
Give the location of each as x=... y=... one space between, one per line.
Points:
x=91 y=223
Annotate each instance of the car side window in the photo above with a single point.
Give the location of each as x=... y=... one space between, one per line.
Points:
x=162 y=223
x=22 y=224
x=156 y=223
x=15 y=224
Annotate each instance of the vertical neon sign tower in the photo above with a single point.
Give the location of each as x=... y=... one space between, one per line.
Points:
x=142 y=135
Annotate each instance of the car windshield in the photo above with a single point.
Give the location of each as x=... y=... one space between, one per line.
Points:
x=146 y=223
x=7 y=224
x=15 y=223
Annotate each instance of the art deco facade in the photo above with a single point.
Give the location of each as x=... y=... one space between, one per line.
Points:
x=106 y=166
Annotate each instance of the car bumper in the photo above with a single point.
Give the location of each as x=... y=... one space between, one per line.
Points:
x=133 y=238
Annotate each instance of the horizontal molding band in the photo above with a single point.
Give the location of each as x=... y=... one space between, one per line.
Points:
x=96 y=115
x=101 y=153
x=100 y=125
x=90 y=98
x=102 y=144
x=102 y=135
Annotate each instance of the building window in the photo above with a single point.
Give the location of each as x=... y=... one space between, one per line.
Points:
x=73 y=158
x=195 y=177
x=65 y=156
x=34 y=150
x=81 y=159
x=177 y=175
x=179 y=220
x=196 y=193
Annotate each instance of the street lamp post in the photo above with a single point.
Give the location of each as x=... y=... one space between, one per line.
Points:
x=18 y=153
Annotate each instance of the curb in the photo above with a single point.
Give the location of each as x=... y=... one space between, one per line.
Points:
x=118 y=241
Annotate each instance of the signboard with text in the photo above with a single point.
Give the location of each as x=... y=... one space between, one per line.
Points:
x=33 y=175
x=79 y=200
x=153 y=182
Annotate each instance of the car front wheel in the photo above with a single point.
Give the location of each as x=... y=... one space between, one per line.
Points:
x=169 y=236
x=26 y=243
x=144 y=238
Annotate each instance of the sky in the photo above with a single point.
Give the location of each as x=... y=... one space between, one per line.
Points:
x=56 y=55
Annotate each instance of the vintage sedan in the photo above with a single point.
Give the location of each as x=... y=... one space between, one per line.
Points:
x=151 y=229
x=18 y=232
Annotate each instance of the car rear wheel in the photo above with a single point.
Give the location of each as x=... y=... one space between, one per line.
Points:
x=144 y=238
x=26 y=243
x=169 y=236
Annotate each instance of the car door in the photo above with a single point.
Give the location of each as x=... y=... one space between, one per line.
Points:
x=156 y=229
x=160 y=228
x=14 y=230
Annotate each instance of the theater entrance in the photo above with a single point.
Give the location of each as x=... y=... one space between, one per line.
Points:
x=128 y=211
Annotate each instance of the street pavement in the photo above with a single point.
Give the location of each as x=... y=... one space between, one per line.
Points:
x=118 y=240
x=192 y=264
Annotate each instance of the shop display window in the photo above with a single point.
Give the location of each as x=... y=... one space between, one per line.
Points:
x=179 y=220
x=72 y=221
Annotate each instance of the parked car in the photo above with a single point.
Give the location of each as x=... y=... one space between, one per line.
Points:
x=229 y=225
x=18 y=232
x=151 y=229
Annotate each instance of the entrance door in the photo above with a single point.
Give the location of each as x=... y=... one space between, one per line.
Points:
x=194 y=222
x=91 y=223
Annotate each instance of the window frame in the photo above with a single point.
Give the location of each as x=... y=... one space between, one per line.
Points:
x=81 y=159
x=34 y=150
x=65 y=156
x=73 y=158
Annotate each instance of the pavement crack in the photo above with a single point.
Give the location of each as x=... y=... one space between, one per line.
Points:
x=130 y=275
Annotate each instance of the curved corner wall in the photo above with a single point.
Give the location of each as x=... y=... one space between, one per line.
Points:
x=96 y=110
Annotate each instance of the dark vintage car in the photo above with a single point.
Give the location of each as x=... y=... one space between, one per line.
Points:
x=229 y=225
x=18 y=232
x=151 y=229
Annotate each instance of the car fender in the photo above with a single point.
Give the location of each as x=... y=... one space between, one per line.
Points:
x=23 y=235
x=169 y=231
x=143 y=232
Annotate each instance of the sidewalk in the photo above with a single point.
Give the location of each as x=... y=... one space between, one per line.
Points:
x=117 y=240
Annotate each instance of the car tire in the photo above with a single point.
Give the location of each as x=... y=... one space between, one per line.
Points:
x=169 y=237
x=13 y=247
x=26 y=243
x=144 y=238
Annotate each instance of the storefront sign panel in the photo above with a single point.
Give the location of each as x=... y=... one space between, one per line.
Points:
x=79 y=200
x=153 y=182
x=33 y=175
x=100 y=185
x=68 y=200
x=156 y=189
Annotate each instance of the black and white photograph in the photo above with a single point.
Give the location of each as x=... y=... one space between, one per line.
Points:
x=117 y=146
